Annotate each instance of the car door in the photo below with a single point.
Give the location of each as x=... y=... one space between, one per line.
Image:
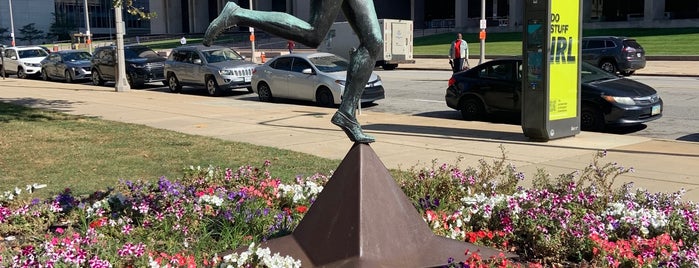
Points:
x=592 y=50
x=56 y=65
x=107 y=64
x=498 y=85
x=301 y=86
x=196 y=66
x=278 y=77
x=10 y=63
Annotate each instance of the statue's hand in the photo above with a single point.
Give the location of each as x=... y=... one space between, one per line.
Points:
x=225 y=20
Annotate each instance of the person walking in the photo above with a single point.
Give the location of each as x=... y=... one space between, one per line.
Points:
x=183 y=41
x=291 y=45
x=458 y=54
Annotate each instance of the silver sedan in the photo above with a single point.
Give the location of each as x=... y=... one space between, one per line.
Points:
x=318 y=77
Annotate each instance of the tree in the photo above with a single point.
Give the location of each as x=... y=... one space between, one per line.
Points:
x=3 y=34
x=30 y=33
x=133 y=10
x=61 y=28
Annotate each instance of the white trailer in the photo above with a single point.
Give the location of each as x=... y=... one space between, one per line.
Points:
x=397 y=42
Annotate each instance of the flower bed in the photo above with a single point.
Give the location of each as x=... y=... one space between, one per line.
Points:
x=574 y=219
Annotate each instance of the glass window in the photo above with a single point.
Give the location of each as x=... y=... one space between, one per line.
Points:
x=219 y=55
x=299 y=65
x=502 y=71
x=609 y=44
x=283 y=64
x=594 y=44
x=77 y=56
x=330 y=64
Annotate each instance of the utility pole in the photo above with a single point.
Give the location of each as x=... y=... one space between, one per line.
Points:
x=12 y=25
x=122 y=83
x=482 y=34
x=252 y=39
x=87 y=29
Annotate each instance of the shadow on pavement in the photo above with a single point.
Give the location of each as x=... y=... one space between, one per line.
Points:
x=446 y=132
x=690 y=137
x=55 y=105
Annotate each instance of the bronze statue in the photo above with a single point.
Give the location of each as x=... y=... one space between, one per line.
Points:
x=361 y=16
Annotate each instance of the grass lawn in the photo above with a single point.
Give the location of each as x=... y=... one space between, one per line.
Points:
x=88 y=154
x=656 y=42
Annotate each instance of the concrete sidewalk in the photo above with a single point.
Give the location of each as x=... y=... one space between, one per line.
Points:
x=403 y=141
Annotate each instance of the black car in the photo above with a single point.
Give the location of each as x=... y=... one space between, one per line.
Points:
x=68 y=65
x=143 y=65
x=606 y=99
x=614 y=53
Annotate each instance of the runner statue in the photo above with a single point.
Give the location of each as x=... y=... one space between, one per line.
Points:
x=361 y=16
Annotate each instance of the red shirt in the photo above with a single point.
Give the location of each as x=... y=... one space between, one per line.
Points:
x=457 y=49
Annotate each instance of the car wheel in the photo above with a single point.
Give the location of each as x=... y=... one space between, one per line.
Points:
x=591 y=119
x=133 y=83
x=212 y=87
x=627 y=73
x=69 y=76
x=97 y=78
x=173 y=83
x=44 y=75
x=472 y=109
x=324 y=97
x=264 y=93
x=608 y=66
x=21 y=73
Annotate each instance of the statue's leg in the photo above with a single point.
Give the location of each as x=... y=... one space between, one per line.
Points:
x=311 y=33
x=362 y=17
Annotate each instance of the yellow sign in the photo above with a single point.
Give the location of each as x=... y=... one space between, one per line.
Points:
x=563 y=66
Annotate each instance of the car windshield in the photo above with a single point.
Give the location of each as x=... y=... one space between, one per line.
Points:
x=77 y=56
x=32 y=53
x=330 y=64
x=139 y=52
x=219 y=55
x=590 y=73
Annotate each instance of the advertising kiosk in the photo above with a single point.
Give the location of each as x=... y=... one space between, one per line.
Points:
x=551 y=69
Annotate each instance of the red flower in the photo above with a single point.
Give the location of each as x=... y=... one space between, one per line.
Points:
x=301 y=209
x=98 y=222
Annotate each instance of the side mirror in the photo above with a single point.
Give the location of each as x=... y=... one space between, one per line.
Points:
x=243 y=57
x=307 y=71
x=197 y=61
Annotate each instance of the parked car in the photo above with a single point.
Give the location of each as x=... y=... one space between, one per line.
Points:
x=143 y=65
x=68 y=65
x=23 y=61
x=614 y=54
x=318 y=77
x=215 y=68
x=606 y=99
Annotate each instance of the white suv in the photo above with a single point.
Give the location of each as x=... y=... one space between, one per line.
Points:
x=24 y=61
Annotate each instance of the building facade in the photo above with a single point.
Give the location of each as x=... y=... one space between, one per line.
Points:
x=193 y=16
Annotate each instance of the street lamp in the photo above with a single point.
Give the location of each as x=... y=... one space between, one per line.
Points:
x=12 y=24
x=87 y=29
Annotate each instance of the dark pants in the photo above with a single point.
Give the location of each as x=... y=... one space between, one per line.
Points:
x=458 y=65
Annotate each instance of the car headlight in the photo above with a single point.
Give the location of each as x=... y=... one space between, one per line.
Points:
x=340 y=82
x=31 y=64
x=620 y=100
x=226 y=72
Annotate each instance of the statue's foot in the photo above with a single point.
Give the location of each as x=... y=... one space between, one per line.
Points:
x=225 y=20
x=351 y=128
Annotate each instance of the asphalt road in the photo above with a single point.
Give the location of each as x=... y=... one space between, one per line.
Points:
x=421 y=93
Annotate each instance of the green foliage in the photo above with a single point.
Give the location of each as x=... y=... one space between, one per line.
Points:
x=134 y=10
x=30 y=33
x=61 y=28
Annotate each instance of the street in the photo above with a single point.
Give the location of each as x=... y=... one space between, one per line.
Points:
x=421 y=93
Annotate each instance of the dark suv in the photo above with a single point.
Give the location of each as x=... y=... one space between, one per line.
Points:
x=614 y=54
x=143 y=65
